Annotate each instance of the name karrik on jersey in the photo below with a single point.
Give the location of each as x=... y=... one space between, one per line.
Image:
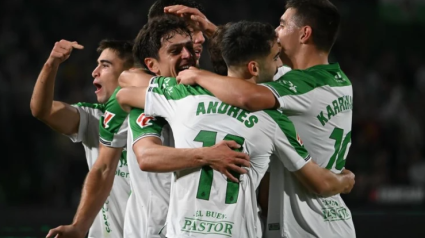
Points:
x=342 y=104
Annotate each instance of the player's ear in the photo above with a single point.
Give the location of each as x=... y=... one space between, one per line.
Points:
x=152 y=65
x=305 y=34
x=253 y=68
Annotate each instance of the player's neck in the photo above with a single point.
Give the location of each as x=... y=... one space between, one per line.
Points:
x=241 y=74
x=309 y=57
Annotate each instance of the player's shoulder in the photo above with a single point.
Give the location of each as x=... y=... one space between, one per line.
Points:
x=113 y=108
x=180 y=91
x=277 y=117
x=92 y=108
x=163 y=82
x=112 y=99
x=328 y=74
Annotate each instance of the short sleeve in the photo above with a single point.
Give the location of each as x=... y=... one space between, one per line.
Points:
x=88 y=130
x=113 y=124
x=294 y=91
x=144 y=126
x=288 y=145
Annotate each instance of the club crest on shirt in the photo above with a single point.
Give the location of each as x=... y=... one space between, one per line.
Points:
x=144 y=121
x=299 y=140
x=107 y=118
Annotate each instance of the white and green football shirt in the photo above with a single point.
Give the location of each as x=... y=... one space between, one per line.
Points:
x=104 y=224
x=203 y=202
x=319 y=101
x=114 y=212
x=147 y=206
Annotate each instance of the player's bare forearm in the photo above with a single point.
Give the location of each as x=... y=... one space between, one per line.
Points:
x=42 y=96
x=97 y=186
x=233 y=91
x=131 y=97
x=239 y=92
x=58 y=115
x=324 y=182
x=154 y=157
x=135 y=77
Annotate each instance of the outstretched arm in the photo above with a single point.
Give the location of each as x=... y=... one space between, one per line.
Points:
x=324 y=182
x=97 y=187
x=58 y=115
x=154 y=157
x=233 y=91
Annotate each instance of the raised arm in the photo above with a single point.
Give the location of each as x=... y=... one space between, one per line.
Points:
x=324 y=182
x=97 y=187
x=233 y=91
x=58 y=115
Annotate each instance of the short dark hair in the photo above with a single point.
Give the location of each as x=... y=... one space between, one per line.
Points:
x=214 y=48
x=123 y=48
x=149 y=39
x=322 y=16
x=244 y=41
x=157 y=9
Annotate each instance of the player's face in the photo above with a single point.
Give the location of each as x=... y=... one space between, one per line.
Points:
x=198 y=39
x=288 y=33
x=270 y=64
x=176 y=54
x=106 y=74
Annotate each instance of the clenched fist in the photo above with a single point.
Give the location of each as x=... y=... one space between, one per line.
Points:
x=62 y=50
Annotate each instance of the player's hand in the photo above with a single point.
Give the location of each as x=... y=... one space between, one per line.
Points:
x=62 y=50
x=350 y=181
x=189 y=76
x=223 y=158
x=196 y=18
x=69 y=231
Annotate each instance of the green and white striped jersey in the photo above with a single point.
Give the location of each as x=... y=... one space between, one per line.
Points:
x=109 y=221
x=319 y=101
x=203 y=202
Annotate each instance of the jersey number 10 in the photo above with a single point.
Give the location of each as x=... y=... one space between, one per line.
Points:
x=208 y=138
x=339 y=153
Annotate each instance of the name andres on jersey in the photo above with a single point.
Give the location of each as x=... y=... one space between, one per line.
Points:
x=235 y=112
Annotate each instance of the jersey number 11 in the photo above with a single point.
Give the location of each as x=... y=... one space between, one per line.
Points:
x=208 y=138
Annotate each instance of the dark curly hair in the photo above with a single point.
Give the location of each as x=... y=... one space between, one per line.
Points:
x=150 y=37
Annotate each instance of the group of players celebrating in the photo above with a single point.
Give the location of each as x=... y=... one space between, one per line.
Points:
x=255 y=149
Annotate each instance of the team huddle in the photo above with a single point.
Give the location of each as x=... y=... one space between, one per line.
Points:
x=256 y=148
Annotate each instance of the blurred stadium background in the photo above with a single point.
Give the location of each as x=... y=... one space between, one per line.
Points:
x=381 y=48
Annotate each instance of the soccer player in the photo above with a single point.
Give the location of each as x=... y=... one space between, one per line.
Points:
x=317 y=96
x=80 y=121
x=137 y=77
x=167 y=41
x=203 y=202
